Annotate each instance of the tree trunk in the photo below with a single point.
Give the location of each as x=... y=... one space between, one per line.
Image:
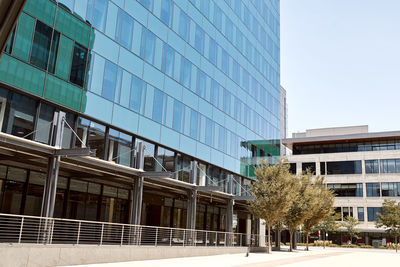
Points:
x=269 y=239
x=307 y=235
x=290 y=240
x=323 y=240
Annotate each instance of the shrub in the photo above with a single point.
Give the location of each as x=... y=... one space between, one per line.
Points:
x=349 y=246
x=391 y=245
x=366 y=246
x=334 y=245
x=382 y=247
x=321 y=243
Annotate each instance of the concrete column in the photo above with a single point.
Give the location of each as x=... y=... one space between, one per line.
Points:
x=191 y=210
x=137 y=190
x=262 y=227
x=248 y=229
x=278 y=239
x=229 y=221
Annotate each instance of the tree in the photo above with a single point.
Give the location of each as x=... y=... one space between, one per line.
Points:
x=390 y=218
x=301 y=207
x=320 y=209
x=329 y=224
x=274 y=191
x=350 y=223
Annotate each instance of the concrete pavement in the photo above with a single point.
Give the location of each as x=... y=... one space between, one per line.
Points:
x=315 y=257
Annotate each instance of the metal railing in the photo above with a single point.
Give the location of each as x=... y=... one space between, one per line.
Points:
x=41 y=230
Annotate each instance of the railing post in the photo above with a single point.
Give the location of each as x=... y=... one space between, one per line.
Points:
x=225 y=241
x=156 y=236
x=101 y=237
x=79 y=233
x=206 y=239
x=170 y=238
x=240 y=240
x=51 y=231
x=140 y=235
x=216 y=238
x=184 y=236
x=122 y=234
x=20 y=230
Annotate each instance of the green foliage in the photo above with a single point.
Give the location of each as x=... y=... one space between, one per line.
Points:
x=349 y=246
x=390 y=219
x=366 y=246
x=329 y=224
x=350 y=223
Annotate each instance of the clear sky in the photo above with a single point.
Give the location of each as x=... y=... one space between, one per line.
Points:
x=340 y=63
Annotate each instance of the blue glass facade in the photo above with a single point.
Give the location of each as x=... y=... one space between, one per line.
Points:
x=201 y=77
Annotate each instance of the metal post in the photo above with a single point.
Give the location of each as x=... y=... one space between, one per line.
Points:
x=170 y=239
x=225 y=241
x=79 y=233
x=156 y=236
x=240 y=240
x=229 y=178
x=216 y=238
x=140 y=235
x=184 y=232
x=20 y=230
x=122 y=234
x=206 y=239
x=229 y=217
x=101 y=237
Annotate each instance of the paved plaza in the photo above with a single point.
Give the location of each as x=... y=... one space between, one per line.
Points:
x=314 y=257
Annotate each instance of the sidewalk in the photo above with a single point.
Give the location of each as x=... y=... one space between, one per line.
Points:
x=315 y=257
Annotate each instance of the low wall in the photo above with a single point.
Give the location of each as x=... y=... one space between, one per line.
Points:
x=56 y=255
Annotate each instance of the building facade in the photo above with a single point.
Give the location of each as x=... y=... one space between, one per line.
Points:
x=361 y=167
x=191 y=80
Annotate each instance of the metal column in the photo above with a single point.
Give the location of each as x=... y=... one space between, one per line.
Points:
x=137 y=191
x=192 y=198
x=229 y=221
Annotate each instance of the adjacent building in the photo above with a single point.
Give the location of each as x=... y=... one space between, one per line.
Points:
x=361 y=167
x=193 y=81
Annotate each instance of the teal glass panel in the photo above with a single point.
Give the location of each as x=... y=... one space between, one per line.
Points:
x=64 y=57
x=23 y=36
x=72 y=27
x=63 y=92
x=21 y=75
x=44 y=10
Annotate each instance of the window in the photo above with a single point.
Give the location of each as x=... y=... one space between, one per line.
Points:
x=222 y=138
x=238 y=8
x=227 y=102
x=96 y=138
x=201 y=83
x=120 y=147
x=344 y=167
x=360 y=211
x=44 y=37
x=184 y=26
x=225 y=62
x=186 y=69
x=147 y=46
x=214 y=94
x=124 y=32
x=347 y=190
x=177 y=119
x=347 y=212
x=78 y=66
x=212 y=51
x=390 y=189
x=148 y=4
x=199 y=39
x=217 y=17
x=390 y=165
x=229 y=29
x=209 y=132
x=292 y=168
x=109 y=82
x=194 y=124
x=372 y=213
x=96 y=13
x=308 y=166
x=246 y=81
x=166 y=12
x=239 y=40
x=10 y=45
x=236 y=72
x=166 y=158
x=138 y=89
x=371 y=166
x=254 y=88
x=158 y=106
x=205 y=7
x=168 y=60
x=373 y=190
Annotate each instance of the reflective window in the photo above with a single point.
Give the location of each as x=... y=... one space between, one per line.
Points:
x=217 y=17
x=96 y=138
x=43 y=126
x=96 y=13
x=149 y=163
x=209 y=132
x=166 y=158
x=109 y=81
x=344 y=167
x=235 y=71
x=238 y=8
x=214 y=94
x=205 y=7
x=390 y=189
x=147 y=4
x=221 y=138
x=120 y=147
x=308 y=166
x=166 y=12
x=227 y=102
x=360 y=211
x=390 y=165
x=347 y=190
x=10 y=43
x=229 y=29
x=159 y=106
x=194 y=124
x=148 y=45
x=373 y=190
x=78 y=66
x=124 y=31
x=371 y=166
x=239 y=40
x=201 y=83
x=44 y=37
x=372 y=211
x=138 y=92
x=225 y=62
x=212 y=51
x=168 y=60
x=199 y=39
x=177 y=120
x=184 y=26
x=186 y=69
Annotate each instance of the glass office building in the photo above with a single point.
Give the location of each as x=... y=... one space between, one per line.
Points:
x=193 y=80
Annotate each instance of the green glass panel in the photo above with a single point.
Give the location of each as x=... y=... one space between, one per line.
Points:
x=72 y=27
x=44 y=10
x=63 y=93
x=64 y=57
x=21 y=75
x=23 y=37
